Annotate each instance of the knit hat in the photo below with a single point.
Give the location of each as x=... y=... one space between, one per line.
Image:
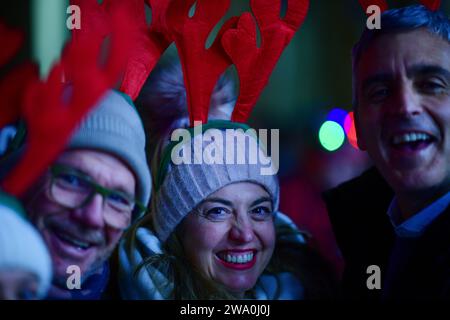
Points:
x=114 y=126
x=183 y=185
x=21 y=246
x=229 y=154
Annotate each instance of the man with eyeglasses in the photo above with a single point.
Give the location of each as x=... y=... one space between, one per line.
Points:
x=86 y=200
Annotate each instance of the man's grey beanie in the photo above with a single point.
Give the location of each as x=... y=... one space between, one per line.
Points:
x=184 y=186
x=114 y=126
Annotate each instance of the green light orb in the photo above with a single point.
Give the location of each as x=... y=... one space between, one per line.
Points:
x=331 y=135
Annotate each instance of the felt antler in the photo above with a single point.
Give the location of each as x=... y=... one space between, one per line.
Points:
x=148 y=48
x=382 y=4
x=201 y=67
x=148 y=43
x=254 y=65
x=50 y=115
x=11 y=88
x=432 y=5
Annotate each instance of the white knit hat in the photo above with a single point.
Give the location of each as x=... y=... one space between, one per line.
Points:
x=181 y=187
x=21 y=246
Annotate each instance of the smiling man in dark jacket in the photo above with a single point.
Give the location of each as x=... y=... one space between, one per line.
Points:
x=401 y=76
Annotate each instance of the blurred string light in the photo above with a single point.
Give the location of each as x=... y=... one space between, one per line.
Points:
x=350 y=130
x=339 y=124
x=331 y=135
x=337 y=115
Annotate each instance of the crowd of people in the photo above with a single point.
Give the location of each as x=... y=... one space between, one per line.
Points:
x=138 y=224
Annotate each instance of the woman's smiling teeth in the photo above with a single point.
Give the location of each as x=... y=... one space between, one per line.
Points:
x=234 y=257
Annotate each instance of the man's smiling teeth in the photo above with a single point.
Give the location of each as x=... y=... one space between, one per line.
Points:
x=410 y=137
x=73 y=241
x=237 y=258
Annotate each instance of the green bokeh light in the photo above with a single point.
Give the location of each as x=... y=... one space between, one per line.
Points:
x=331 y=135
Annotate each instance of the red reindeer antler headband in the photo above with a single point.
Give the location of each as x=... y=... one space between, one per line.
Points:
x=41 y=102
x=255 y=65
x=147 y=43
x=234 y=44
x=201 y=67
x=50 y=118
x=432 y=5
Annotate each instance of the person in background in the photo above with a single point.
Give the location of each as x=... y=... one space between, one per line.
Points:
x=25 y=264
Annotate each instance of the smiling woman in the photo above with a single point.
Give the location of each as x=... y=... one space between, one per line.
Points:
x=231 y=246
x=215 y=231
x=230 y=236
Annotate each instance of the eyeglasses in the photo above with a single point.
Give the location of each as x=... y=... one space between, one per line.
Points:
x=73 y=189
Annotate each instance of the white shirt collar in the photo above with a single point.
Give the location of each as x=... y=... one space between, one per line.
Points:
x=416 y=225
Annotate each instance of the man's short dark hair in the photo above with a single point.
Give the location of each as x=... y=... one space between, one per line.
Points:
x=400 y=20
